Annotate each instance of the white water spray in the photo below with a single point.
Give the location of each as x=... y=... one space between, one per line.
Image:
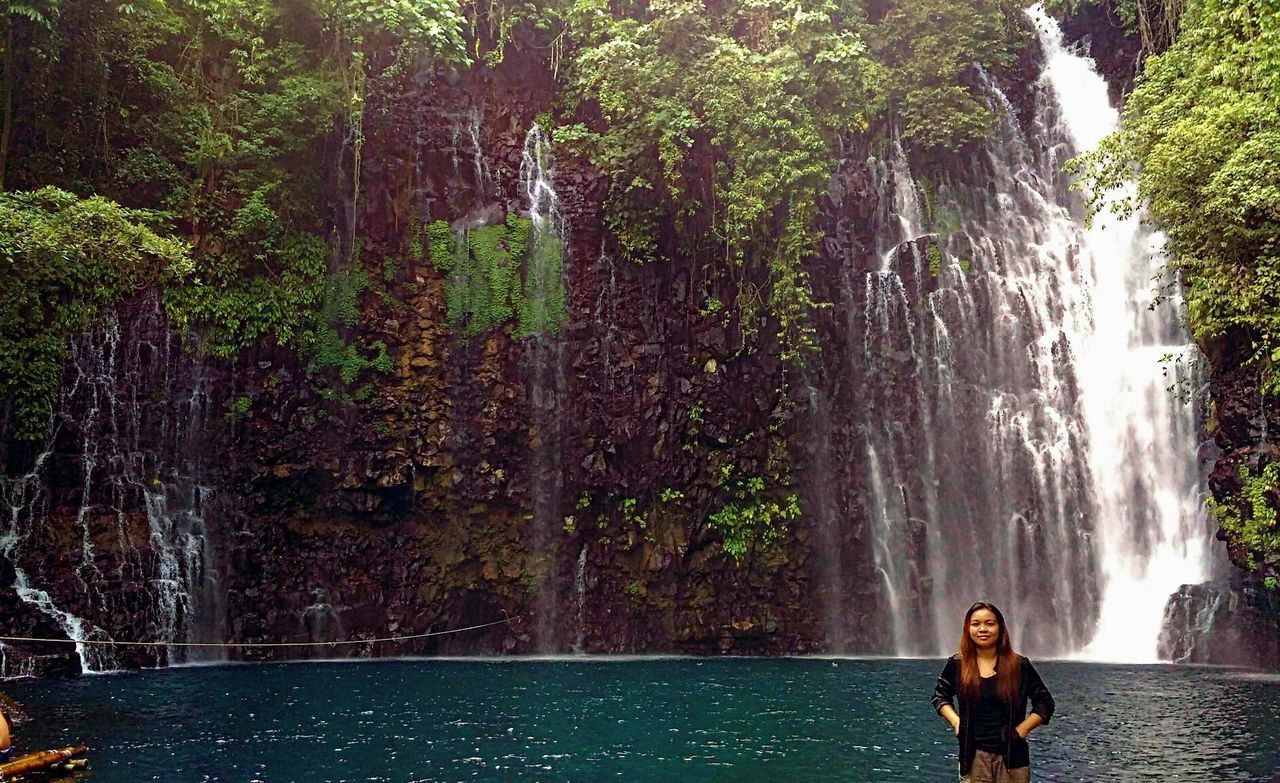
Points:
x=1152 y=534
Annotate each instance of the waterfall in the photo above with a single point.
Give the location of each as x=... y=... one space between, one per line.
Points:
x=542 y=316
x=900 y=215
x=136 y=428
x=25 y=502
x=606 y=314
x=544 y=288
x=1152 y=533
x=465 y=137
x=580 y=598
x=485 y=181
x=1019 y=441
x=822 y=506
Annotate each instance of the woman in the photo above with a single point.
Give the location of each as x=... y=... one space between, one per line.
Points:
x=993 y=684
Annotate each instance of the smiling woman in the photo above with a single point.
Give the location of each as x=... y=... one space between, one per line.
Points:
x=993 y=684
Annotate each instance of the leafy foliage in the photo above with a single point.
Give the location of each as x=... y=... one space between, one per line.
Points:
x=926 y=47
x=239 y=121
x=541 y=306
x=752 y=518
x=323 y=336
x=1155 y=21
x=484 y=286
x=240 y=124
x=745 y=81
x=1249 y=519
x=494 y=24
x=64 y=259
x=764 y=88
x=1202 y=131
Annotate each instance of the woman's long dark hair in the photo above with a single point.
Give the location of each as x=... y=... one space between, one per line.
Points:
x=1006 y=660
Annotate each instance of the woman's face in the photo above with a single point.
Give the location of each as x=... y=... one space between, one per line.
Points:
x=984 y=631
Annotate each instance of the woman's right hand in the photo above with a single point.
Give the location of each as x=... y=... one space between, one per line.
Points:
x=955 y=727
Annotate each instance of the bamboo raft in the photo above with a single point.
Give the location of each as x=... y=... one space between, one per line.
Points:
x=45 y=764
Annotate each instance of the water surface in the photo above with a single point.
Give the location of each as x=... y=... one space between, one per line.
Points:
x=709 y=720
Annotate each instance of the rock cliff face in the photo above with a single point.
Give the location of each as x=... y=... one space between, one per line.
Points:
x=1100 y=32
x=561 y=483
x=1240 y=613
x=1230 y=621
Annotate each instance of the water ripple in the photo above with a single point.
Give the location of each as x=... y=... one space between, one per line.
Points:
x=716 y=720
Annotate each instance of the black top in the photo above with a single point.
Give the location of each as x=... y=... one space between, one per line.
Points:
x=1031 y=689
x=990 y=718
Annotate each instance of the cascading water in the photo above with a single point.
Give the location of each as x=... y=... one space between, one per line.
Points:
x=134 y=457
x=900 y=214
x=606 y=314
x=1019 y=441
x=821 y=507
x=580 y=598
x=485 y=181
x=542 y=313
x=1152 y=532
x=25 y=502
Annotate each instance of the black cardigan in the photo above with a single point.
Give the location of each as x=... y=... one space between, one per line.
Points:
x=1030 y=688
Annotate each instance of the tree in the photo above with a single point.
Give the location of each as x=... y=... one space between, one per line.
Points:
x=38 y=14
x=926 y=48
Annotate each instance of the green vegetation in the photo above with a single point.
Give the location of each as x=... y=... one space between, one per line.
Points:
x=322 y=338
x=632 y=515
x=484 y=286
x=1155 y=21
x=935 y=260
x=238 y=126
x=658 y=76
x=1249 y=517
x=225 y=119
x=765 y=88
x=541 y=307
x=925 y=47
x=238 y=408
x=1201 y=131
x=65 y=258
x=751 y=518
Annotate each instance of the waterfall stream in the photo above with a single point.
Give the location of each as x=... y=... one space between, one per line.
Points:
x=1152 y=533
x=1020 y=443
x=543 y=303
x=143 y=552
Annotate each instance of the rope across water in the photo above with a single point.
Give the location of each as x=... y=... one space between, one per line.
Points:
x=241 y=645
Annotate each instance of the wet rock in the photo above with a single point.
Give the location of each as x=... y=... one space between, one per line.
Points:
x=1234 y=621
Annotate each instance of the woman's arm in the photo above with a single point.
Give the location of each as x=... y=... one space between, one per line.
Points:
x=949 y=713
x=1028 y=723
x=1042 y=705
x=944 y=694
